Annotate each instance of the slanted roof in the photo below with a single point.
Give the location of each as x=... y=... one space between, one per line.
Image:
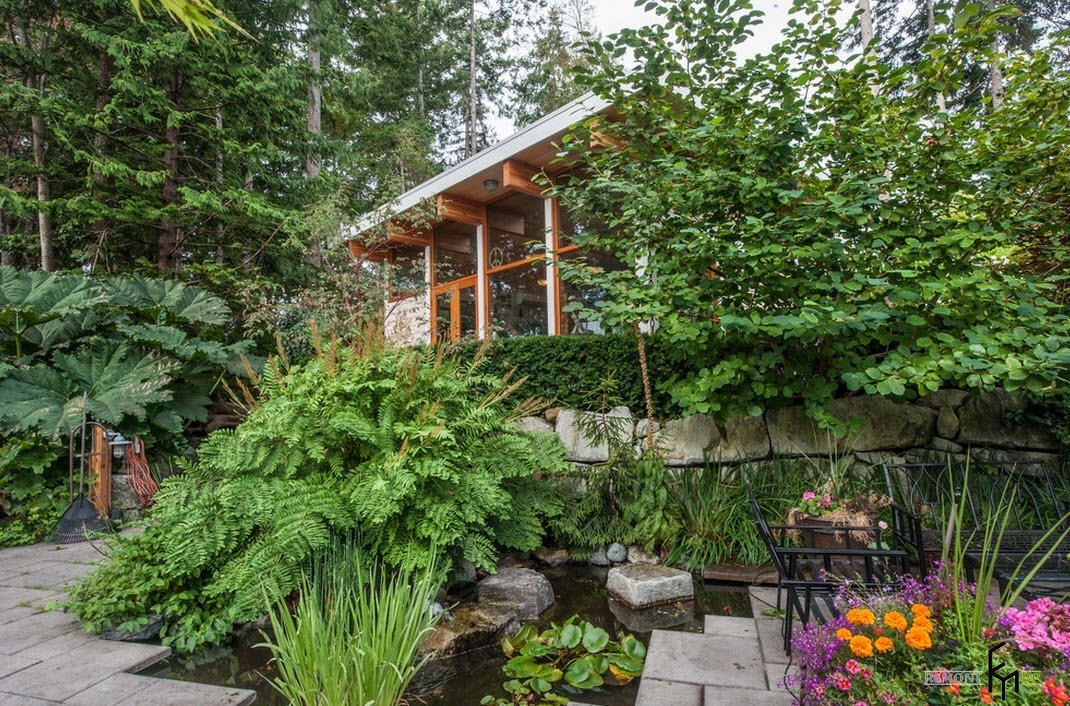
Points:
x=534 y=145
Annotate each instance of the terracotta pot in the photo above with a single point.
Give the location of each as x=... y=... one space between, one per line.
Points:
x=828 y=535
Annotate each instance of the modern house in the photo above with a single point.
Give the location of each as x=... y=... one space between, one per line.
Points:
x=477 y=265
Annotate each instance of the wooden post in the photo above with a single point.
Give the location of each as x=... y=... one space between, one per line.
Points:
x=100 y=472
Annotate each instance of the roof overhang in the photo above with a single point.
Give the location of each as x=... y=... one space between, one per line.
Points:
x=512 y=163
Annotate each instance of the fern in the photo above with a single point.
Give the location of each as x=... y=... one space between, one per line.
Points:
x=415 y=455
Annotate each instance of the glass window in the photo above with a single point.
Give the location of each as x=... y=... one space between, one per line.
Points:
x=517 y=229
x=518 y=301
x=455 y=252
x=585 y=297
x=408 y=271
x=570 y=225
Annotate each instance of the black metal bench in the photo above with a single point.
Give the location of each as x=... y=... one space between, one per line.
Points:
x=810 y=576
x=1033 y=498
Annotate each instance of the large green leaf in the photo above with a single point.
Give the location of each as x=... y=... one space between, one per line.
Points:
x=167 y=298
x=41 y=309
x=39 y=398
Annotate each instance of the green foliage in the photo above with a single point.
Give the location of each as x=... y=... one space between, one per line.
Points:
x=140 y=350
x=815 y=225
x=716 y=526
x=569 y=371
x=355 y=633
x=416 y=453
x=576 y=652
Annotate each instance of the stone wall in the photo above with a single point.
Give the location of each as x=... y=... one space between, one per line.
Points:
x=946 y=422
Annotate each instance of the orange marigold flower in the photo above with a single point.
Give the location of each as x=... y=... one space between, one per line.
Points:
x=884 y=644
x=861 y=616
x=896 y=620
x=955 y=689
x=986 y=696
x=921 y=610
x=862 y=646
x=918 y=639
x=844 y=634
x=923 y=623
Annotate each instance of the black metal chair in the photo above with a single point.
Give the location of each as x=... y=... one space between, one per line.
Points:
x=806 y=573
x=1031 y=497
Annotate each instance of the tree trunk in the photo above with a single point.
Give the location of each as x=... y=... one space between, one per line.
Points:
x=995 y=66
x=44 y=218
x=314 y=118
x=865 y=22
x=473 y=110
x=101 y=225
x=169 y=255
x=219 y=230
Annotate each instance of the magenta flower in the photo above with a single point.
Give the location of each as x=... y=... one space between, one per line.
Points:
x=808 y=495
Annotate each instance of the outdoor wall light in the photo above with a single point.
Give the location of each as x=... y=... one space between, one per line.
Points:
x=490 y=185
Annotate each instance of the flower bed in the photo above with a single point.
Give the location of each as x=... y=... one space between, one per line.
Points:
x=916 y=645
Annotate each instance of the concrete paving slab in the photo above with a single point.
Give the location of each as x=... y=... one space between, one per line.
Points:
x=169 y=692
x=52 y=574
x=762 y=597
x=111 y=691
x=709 y=661
x=771 y=637
x=67 y=674
x=9 y=664
x=720 y=696
x=11 y=596
x=16 y=700
x=17 y=613
x=57 y=645
x=726 y=626
x=654 y=692
x=34 y=629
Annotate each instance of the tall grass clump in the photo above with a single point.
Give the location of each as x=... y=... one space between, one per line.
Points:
x=354 y=636
x=714 y=514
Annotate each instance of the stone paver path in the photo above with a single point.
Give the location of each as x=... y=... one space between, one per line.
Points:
x=46 y=657
x=734 y=662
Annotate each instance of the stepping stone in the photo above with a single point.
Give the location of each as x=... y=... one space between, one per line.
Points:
x=667 y=615
x=67 y=674
x=111 y=691
x=34 y=629
x=771 y=637
x=135 y=690
x=725 y=626
x=57 y=645
x=654 y=692
x=526 y=591
x=721 y=696
x=16 y=700
x=704 y=660
x=641 y=585
x=761 y=598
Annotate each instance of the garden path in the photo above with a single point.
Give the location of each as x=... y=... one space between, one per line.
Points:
x=734 y=662
x=46 y=657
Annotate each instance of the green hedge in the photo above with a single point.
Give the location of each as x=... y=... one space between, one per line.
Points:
x=570 y=371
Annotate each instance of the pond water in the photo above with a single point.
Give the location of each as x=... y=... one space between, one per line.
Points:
x=463 y=680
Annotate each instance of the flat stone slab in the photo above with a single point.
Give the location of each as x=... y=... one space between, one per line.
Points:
x=705 y=660
x=654 y=692
x=725 y=626
x=170 y=692
x=526 y=591
x=742 y=574
x=771 y=638
x=9 y=664
x=74 y=671
x=720 y=696
x=34 y=629
x=641 y=585
x=16 y=700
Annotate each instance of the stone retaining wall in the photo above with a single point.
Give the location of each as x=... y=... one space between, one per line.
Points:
x=952 y=422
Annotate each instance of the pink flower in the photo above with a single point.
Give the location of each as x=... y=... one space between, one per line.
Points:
x=808 y=495
x=852 y=666
x=883 y=525
x=843 y=683
x=825 y=501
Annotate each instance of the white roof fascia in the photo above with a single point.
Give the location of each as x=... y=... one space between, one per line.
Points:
x=561 y=119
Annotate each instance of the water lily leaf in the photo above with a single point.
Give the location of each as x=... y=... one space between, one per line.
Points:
x=570 y=636
x=595 y=639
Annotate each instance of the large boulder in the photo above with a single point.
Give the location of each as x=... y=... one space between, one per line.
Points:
x=471 y=626
x=947 y=422
x=579 y=446
x=745 y=439
x=525 y=591
x=535 y=425
x=993 y=419
x=687 y=441
x=881 y=424
x=642 y=585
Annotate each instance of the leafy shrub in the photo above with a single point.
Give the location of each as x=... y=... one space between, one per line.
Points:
x=570 y=371
x=355 y=634
x=144 y=351
x=580 y=654
x=412 y=451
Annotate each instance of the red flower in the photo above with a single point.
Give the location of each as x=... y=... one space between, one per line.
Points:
x=1057 y=693
x=986 y=696
x=955 y=689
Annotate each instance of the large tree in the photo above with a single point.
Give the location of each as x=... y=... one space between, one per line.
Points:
x=801 y=227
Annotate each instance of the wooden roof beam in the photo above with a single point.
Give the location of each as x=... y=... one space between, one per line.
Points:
x=520 y=176
x=459 y=209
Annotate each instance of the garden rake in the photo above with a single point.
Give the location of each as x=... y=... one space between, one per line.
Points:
x=81 y=518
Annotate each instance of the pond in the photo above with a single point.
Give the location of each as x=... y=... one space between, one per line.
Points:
x=462 y=680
